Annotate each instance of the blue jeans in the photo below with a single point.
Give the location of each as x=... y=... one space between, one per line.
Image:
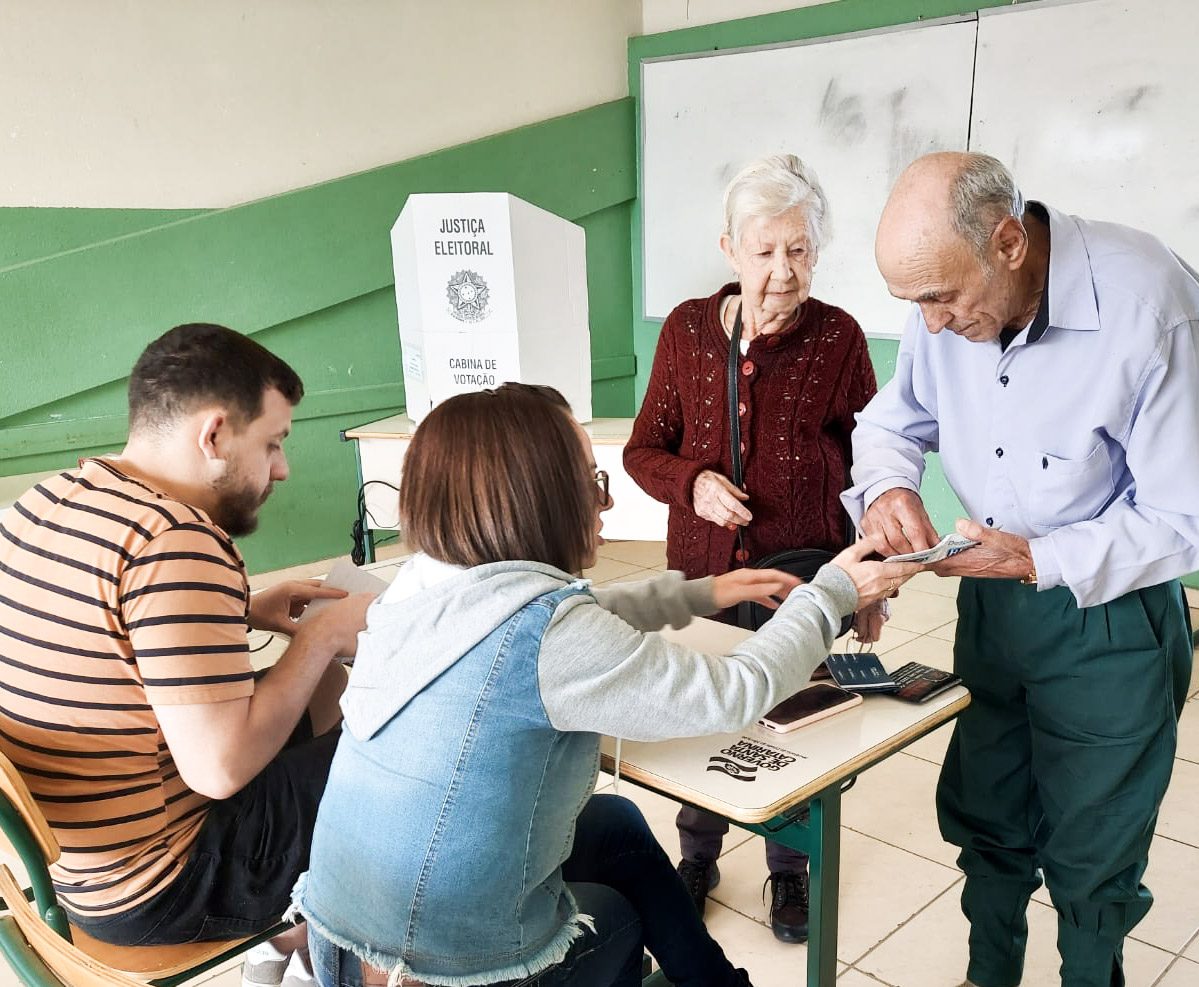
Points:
x=622 y=878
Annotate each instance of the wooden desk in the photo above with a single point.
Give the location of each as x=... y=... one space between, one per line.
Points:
x=380 y=447
x=761 y=780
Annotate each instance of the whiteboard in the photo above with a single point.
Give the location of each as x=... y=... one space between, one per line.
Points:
x=858 y=109
x=1103 y=121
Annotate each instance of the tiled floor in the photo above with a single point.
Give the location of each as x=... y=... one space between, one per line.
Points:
x=900 y=920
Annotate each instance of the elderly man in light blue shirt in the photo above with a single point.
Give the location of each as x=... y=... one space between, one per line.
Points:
x=1054 y=364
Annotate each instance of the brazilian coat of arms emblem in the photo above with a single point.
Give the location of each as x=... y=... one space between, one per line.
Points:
x=467 y=293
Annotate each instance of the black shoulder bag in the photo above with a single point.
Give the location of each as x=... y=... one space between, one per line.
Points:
x=801 y=562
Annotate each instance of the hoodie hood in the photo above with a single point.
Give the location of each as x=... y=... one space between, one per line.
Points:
x=431 y=616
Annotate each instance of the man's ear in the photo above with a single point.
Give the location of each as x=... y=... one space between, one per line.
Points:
x=1010 y=240
x=214 y=428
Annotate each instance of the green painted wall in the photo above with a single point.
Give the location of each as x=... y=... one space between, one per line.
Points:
x=309 y=274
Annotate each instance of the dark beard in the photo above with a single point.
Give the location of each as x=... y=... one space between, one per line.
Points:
x=236 y=511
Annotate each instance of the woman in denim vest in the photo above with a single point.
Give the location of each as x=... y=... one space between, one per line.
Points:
x=458 y=841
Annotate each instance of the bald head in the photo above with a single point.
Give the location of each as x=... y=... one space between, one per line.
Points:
x=950 y=238
x=918 y=211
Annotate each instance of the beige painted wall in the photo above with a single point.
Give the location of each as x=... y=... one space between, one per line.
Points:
x=670 y=15
x=191 y=103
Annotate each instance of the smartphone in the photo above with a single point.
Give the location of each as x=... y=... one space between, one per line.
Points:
x=812 y=703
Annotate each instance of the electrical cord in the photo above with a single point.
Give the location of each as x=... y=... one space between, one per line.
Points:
x=358 y=533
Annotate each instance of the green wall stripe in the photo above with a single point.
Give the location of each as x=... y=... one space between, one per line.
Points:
x=29 y=234
x=271 y=261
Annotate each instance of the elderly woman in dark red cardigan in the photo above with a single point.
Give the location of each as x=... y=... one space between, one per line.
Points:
x=804 y=373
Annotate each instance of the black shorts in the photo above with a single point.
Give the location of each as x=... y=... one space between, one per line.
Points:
x=250 y=850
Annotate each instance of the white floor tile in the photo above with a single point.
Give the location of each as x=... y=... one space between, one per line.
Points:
x=748 y=944
x=605 y=569
x=917 y=611
x=931 y=951
x=1183 y=973
x=925 y=649
x=881 y=888
x=1179 y=818
x=1172 y=877
x=890 y=639
x=894 y=803
x=930 y=582
x=1188 y=732
x=856 y=978
x=636 y=576
x=932 y=746
x=946 y=632
x=644 y=554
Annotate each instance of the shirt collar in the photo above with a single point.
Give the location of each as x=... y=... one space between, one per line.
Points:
x=1071 y=285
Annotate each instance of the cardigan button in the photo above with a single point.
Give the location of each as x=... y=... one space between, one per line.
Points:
x=747 y=368
x=741 y=555
x=741 y=408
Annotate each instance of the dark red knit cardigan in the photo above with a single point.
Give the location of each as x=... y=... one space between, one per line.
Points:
x=799 y=392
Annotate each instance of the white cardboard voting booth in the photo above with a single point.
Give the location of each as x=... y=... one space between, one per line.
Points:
x=488 y=289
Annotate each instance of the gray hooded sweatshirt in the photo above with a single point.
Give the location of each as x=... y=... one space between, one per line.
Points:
x=601 y=668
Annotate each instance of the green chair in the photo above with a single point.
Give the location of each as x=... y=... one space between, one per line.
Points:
x=38 y=940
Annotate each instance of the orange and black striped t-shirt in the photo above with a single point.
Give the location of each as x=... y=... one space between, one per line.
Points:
x=114 y=598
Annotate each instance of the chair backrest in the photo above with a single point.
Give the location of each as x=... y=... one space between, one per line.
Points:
x=66 y=961
x=30 y=837
x=13 y=788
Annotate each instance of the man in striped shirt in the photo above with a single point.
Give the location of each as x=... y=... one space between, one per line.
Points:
x=182 y=789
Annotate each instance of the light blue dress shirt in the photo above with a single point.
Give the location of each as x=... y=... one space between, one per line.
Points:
x=1086 y=441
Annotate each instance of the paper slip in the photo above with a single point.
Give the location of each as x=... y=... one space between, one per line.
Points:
x=347 y=576
x=946 y=548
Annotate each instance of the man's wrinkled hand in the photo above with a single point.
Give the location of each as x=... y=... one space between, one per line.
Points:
x=898 y=521
x=998 y=555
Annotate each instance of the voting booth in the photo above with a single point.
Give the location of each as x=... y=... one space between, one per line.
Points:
x=489 y=289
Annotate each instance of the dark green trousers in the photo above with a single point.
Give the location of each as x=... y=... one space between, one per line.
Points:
x=1059 y=765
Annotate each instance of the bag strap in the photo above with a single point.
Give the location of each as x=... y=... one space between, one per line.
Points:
x=738 y=478
x=734 y=365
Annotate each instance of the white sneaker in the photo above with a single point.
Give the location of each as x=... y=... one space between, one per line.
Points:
x=297 y=973
x=263 y=966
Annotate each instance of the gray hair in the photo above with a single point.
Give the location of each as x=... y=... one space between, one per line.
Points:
x=770 y=186
x=982 y=196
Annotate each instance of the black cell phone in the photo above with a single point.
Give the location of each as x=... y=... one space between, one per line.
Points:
x=810 y=704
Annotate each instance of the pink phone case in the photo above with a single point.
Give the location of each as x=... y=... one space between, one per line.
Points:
x=852 y=699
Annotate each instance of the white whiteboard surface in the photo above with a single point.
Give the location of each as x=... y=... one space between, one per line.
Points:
x=857 y=109
x=1101 y=118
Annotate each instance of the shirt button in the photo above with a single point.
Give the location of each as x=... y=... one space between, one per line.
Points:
x=1003 y=380
x=741 y=408
x=999 y=453
x=742 y=555
x=743 y=448
x=990 y=522
x=747 y=368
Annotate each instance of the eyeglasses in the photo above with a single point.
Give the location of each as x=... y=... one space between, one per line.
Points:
x=601 y=481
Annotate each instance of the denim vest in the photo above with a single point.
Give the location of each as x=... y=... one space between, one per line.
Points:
x=440 y=837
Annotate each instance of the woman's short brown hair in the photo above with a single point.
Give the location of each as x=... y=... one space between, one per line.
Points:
x=499 y=475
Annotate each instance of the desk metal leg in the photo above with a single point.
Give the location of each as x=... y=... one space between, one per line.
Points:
x=821 y=840
x=825 y=840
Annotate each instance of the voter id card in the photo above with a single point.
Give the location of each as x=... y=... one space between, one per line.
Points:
x=946 y=548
